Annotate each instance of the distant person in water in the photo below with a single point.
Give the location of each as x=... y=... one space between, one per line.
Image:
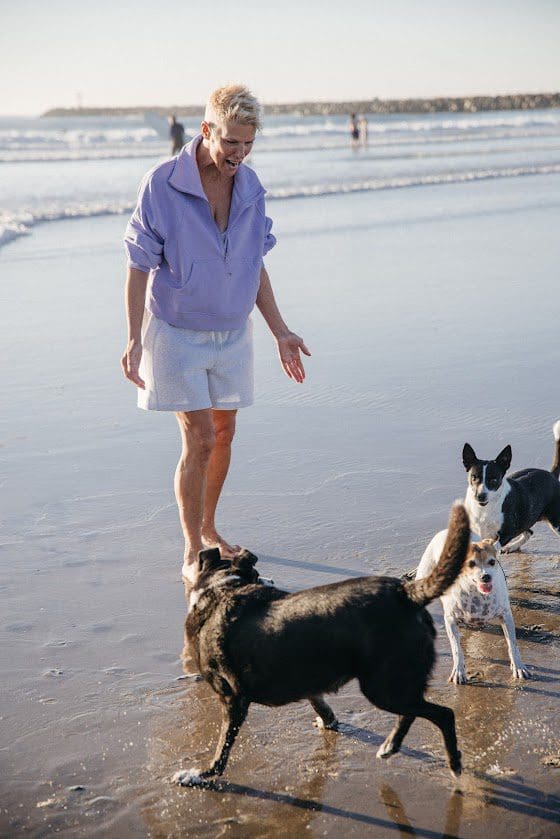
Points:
x=354 y=129
x=199 y=234
x=363 y=130
x=177 y=134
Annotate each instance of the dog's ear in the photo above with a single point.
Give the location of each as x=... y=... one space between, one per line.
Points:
x=244 y=565
x=210 y=559
x=504 y=459
x=247 y=557
x=209 y=555
x=469 y=456
x=489 y=545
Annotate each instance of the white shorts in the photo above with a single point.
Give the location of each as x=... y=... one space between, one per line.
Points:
x=189 y=370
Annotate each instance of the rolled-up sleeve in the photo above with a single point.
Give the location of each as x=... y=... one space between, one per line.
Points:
x=269 y=238
x=142 y=241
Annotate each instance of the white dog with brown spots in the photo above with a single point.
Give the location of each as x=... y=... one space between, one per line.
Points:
x=479 y=596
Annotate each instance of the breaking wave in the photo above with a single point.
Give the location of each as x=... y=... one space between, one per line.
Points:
x=21 y=223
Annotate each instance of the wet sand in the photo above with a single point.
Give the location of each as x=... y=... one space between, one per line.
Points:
x=432 y=318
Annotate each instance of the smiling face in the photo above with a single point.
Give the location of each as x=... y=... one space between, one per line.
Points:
x=228 y=144
x=481 y=564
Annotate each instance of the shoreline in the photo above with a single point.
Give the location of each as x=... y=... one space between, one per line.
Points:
x=439 y=104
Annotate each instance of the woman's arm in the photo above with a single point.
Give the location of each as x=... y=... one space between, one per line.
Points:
x=289 y=344
x=135 y=299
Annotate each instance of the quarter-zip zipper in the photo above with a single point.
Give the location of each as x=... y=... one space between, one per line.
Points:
x=220 y=238
x=223 y=241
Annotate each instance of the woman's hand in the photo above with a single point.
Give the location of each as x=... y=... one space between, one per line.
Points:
x=130 y=363
x=289 y=347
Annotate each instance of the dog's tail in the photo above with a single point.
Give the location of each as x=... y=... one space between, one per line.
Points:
x=556 y=462
x=453 y=555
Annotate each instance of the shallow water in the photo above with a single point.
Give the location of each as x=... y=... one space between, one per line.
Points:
x=53 y=168
x=432 y=319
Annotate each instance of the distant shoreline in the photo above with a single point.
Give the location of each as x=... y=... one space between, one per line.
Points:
x=442 y=104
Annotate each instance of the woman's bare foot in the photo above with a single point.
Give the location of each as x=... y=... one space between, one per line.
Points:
x=212 y=539
x=189 y=572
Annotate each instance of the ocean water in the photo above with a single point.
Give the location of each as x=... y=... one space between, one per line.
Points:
x=56 y=168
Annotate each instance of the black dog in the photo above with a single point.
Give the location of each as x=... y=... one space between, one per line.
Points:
x=254 y=643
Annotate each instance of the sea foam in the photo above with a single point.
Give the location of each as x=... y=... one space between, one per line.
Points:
x=20 y=223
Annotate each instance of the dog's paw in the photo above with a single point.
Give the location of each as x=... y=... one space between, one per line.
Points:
x=386 y=749
x=331 y=725
x=455 y=765
x=513 y=548
x=188 y=778
x=520 y=672
x=458 y=677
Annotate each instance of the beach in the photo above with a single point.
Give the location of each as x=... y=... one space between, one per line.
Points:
x=431 y=313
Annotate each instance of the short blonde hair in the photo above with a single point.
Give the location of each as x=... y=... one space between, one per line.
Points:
x=235 y=103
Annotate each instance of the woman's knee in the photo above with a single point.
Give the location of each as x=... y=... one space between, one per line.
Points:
x=224 y=427
x=201 y=440
x=199 y=436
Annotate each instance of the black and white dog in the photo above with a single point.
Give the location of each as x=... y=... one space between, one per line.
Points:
x=255 y=643
x=505 y=509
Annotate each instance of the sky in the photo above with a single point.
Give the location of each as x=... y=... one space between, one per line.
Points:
x=62 y=53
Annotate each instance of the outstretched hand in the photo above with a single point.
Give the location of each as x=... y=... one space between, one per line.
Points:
x=289 y=347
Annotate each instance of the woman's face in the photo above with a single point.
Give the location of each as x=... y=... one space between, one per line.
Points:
x=228 y=143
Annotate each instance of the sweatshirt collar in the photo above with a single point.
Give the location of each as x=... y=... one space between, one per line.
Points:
x=185 y=177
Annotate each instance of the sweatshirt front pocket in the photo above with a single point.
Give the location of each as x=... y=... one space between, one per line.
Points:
x=220 y=286
x=201 y=291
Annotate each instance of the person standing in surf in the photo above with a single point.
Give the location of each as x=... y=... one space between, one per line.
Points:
x=198 y=234
x=176 y=134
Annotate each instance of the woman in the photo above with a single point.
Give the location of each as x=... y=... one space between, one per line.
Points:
x=199 y=233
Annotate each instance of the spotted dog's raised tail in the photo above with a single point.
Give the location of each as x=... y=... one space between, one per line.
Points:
x=453 y=556
x=556 y=462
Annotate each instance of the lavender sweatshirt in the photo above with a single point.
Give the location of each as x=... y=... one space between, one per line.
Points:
x=201 y=278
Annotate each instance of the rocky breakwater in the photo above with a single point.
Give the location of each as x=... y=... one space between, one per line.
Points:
x=458 y=104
